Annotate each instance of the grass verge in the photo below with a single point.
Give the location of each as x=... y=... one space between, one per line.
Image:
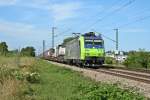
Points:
x=35 y=79
x=59 y=83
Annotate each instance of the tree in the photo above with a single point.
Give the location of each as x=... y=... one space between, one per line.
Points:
x=28 y=51
x=3 y=48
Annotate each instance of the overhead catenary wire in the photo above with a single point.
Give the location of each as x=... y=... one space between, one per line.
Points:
x=105 y=36
x=102 y=11
x=135 y=21
x=108 y=38
x=61 y=33
x=109 y=14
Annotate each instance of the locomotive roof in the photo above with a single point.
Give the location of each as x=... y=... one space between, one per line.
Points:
x=91 y=35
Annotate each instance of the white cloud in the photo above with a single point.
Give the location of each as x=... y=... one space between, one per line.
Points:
x=7 y=2
x=21 y=34
x=21 y=30
x=65 y=11
x=59 y=11
x=14 y=27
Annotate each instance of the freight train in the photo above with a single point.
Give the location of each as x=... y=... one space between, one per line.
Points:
x=84 y=50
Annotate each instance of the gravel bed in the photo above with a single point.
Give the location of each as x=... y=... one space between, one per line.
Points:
x=122 y=82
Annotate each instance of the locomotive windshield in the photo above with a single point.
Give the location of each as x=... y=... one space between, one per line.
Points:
x=88 y=43
x=93 y=44
x=98 y=44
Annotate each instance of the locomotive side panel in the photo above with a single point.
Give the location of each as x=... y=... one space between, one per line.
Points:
x=72 y=50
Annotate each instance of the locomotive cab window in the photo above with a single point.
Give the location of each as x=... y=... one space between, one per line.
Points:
x=98 y=43
x=93 y=43
x=88 y=43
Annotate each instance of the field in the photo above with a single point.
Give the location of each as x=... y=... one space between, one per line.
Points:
x=34 y=79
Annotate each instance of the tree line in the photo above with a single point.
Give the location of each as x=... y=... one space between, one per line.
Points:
x=27 y=51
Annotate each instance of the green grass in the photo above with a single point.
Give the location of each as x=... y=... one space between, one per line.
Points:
x=13 y=83
x=58 y=83
x=54 y=83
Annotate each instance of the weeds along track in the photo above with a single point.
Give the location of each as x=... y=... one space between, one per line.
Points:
x=133 y=75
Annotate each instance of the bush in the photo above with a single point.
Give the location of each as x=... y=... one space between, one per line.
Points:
x=109 y=60
x=33 y=77
x=138 y=59
x=18 y=75
x=105 y=91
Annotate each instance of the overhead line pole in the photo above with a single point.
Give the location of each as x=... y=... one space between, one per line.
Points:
x=117 y=52
x=53 y=32
x=43 y=48
x=117 y=41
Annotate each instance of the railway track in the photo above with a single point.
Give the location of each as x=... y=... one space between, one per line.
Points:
x=128 y=69
x=133 y=75
x=137 y=75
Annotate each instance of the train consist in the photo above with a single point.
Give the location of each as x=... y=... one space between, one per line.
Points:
x=84 y=50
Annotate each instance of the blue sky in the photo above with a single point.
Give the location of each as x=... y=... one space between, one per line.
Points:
x=28 y=22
